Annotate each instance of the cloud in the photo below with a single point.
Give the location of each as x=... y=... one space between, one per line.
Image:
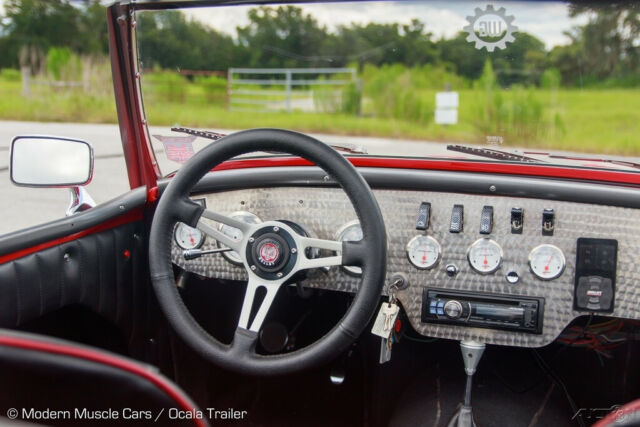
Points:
x=545 y=20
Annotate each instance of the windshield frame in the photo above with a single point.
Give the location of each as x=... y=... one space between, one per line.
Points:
x=145 y=148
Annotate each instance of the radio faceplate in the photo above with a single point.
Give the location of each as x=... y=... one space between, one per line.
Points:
x=482 y=310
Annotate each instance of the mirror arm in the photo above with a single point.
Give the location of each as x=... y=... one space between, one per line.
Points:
x=80 y=200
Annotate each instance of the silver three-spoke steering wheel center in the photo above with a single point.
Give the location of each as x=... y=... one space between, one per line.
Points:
x=272 y=253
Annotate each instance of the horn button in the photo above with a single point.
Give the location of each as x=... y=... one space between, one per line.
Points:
x=271 y=253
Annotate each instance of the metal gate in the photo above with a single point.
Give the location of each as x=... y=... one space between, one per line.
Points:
x=284 y=89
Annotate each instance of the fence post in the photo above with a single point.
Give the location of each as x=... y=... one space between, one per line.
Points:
x=26 y=81
x=288 y=90
x=229 y=75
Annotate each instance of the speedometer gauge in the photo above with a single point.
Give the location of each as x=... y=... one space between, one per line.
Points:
x=423 y=252
x=485 y=256
x=350 y=232
x=547 y=262
x=188 y=237
x=235 y=234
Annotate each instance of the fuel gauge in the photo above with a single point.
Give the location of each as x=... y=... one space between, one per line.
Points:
x=423 y=252
x=547 y=262
x=485 y=256
x=188 y=237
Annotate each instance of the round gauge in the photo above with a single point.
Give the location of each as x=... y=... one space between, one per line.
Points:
x=546 y=262
x=423 y=252
x=485 y=256
x=188 y=237
x=350 y=232
x=235 y=234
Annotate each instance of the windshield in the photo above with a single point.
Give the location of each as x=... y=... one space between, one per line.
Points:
x=543 y=82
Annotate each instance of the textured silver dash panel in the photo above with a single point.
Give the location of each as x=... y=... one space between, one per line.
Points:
x=324 y=210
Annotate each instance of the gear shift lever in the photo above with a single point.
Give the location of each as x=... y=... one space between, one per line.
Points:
x=471 y=354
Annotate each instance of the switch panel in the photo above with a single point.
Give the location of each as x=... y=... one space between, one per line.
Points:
x=517 y=220
x=457 y=219
x=424 y=213
x=595 y=275
x=486 y=220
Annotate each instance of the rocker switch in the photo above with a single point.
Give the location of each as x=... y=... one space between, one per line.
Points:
x=548 y=222
x=486 y=220
x=457 y=219
x=423 y=216
x=517 y=220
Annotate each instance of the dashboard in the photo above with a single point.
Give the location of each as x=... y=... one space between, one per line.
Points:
x=500 y=269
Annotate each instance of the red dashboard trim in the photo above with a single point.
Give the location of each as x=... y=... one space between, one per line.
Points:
x=131 y=216
x=452 y=165
x=106 y=359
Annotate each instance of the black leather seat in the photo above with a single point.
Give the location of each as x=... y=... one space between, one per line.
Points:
x=624 y=416
x=55 y=382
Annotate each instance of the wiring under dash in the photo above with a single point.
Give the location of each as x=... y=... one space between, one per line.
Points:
x=601 y=337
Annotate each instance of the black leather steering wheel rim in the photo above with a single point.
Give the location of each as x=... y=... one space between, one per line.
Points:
x=370 y=253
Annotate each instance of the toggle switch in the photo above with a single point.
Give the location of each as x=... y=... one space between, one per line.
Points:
x=457 y=219
x=517 y=220
x=548 y=222
x=486 y=220
x=424 y=214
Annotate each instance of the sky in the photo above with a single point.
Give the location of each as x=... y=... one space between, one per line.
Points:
x=546 y=20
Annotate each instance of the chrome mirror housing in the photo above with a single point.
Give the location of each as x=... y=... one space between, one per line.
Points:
x=48 y=161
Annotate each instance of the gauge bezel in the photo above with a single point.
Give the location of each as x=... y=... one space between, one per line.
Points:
x=562 y=257
x=477 y=243
x=352 y=270
x=433 y=239
x=227 y=255
x=196 y=246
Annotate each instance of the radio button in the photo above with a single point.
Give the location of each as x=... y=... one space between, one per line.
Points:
x=453 y=309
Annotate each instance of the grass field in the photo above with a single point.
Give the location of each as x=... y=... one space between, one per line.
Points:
x=600 y=121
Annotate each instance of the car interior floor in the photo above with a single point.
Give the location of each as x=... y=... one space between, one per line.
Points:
x=565 y=383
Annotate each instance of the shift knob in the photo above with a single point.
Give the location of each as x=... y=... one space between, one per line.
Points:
x=471 y=354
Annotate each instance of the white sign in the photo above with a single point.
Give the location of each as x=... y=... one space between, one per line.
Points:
x=447 y=108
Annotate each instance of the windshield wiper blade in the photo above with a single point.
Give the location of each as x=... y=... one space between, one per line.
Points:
x=214 y=136
x=587 y=159
x=492 y=154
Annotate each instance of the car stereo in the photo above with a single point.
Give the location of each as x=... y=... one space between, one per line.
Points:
x=482 y=310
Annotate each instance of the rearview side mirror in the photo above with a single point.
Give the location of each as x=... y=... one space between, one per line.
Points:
x=47 y=161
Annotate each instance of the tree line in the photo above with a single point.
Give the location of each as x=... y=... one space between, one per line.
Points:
x=604 y=50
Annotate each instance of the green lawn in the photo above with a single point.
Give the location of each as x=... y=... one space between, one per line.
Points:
x=602 y=121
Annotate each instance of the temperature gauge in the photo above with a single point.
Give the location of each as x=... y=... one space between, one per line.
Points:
x=188 y=237
x=547 y=262
x=423 y=252
x=350 y=232
x=235 y=234
x=485 y=256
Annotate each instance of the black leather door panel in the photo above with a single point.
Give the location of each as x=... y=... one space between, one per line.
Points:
x=98 y=271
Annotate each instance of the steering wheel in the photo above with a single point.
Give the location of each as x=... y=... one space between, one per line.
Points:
x=272 y=252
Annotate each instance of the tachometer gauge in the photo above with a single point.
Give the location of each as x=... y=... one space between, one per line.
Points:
x=547 y=262
x=350 y=232
x=485 y=256
x=235 y=234
x=423 y=252
x=188 y=237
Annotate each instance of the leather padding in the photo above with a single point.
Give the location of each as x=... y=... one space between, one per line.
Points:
x=174 y=206
x=92 y=271
x=35 y=375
